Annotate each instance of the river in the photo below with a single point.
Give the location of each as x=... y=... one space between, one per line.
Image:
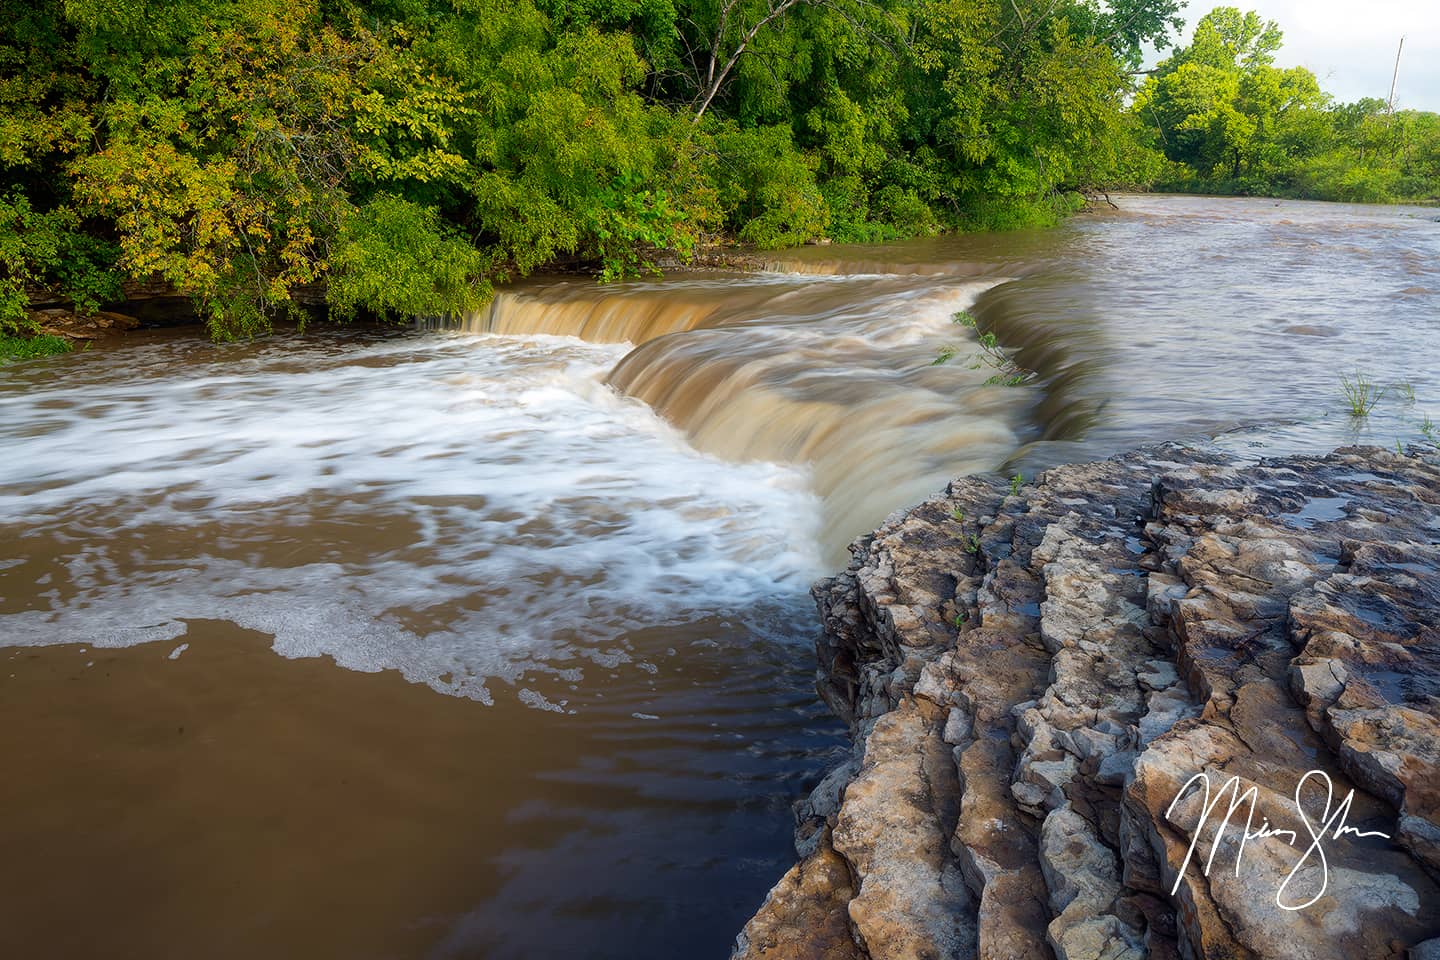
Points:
x=495 y=642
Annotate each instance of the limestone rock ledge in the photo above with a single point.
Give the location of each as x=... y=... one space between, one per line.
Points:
x=1032 y=677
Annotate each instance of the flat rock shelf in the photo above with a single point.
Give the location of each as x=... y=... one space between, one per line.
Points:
x=1033 y=675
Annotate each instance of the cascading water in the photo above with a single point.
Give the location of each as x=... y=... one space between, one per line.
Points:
x=614 y=314
x=834 y=372
x=599 y=520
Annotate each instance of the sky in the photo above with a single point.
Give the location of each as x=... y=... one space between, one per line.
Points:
x=1350 y=44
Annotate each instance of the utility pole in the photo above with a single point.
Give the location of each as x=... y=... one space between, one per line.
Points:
x=1390 y=109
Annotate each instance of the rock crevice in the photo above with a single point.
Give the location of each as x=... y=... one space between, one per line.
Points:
x=1034 y=678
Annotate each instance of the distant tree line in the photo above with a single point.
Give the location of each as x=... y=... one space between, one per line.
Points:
x=408 y=154
x=1229 y=121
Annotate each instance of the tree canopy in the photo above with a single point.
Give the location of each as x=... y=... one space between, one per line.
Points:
x=1230 y=121
x=406 y=155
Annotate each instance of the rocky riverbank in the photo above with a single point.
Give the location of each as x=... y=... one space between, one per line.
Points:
x=1032 y=676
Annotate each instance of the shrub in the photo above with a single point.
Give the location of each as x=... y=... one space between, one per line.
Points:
x=50 y=249
x=767 y=188
x=29 y=348
x=396 y=259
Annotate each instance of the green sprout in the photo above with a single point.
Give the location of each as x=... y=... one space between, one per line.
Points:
x=1000 y=380
x=1361 y=395
x=1015 y=483
x=993 y=355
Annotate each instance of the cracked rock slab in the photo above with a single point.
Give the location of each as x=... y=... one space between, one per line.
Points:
x=1033 y=678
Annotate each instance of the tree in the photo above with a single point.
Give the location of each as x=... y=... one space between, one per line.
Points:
x=1229 y=40
x=1221 y=107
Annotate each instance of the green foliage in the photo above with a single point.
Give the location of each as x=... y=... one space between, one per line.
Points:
x=49 y=249
x=31 y=347
x=1015 y=483
x=407 y=154
x=1361 y=393
x=1229 y=121
x=1227 y=39
x=990 y=351
x=629 y=223
x=1010 y=374
x=905 y=212
x=996 y=213
x=766 y=187
x=397 y=259
x=224 y=166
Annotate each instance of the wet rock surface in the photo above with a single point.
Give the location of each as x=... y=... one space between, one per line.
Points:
x=1043 y=684
x=60 y=322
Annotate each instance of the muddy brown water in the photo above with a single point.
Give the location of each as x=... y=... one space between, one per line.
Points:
x=496 y=642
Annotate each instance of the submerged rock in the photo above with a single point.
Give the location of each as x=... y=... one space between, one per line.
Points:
x=1044 y=686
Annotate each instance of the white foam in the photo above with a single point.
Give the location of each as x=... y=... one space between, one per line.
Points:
x=534 y=515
